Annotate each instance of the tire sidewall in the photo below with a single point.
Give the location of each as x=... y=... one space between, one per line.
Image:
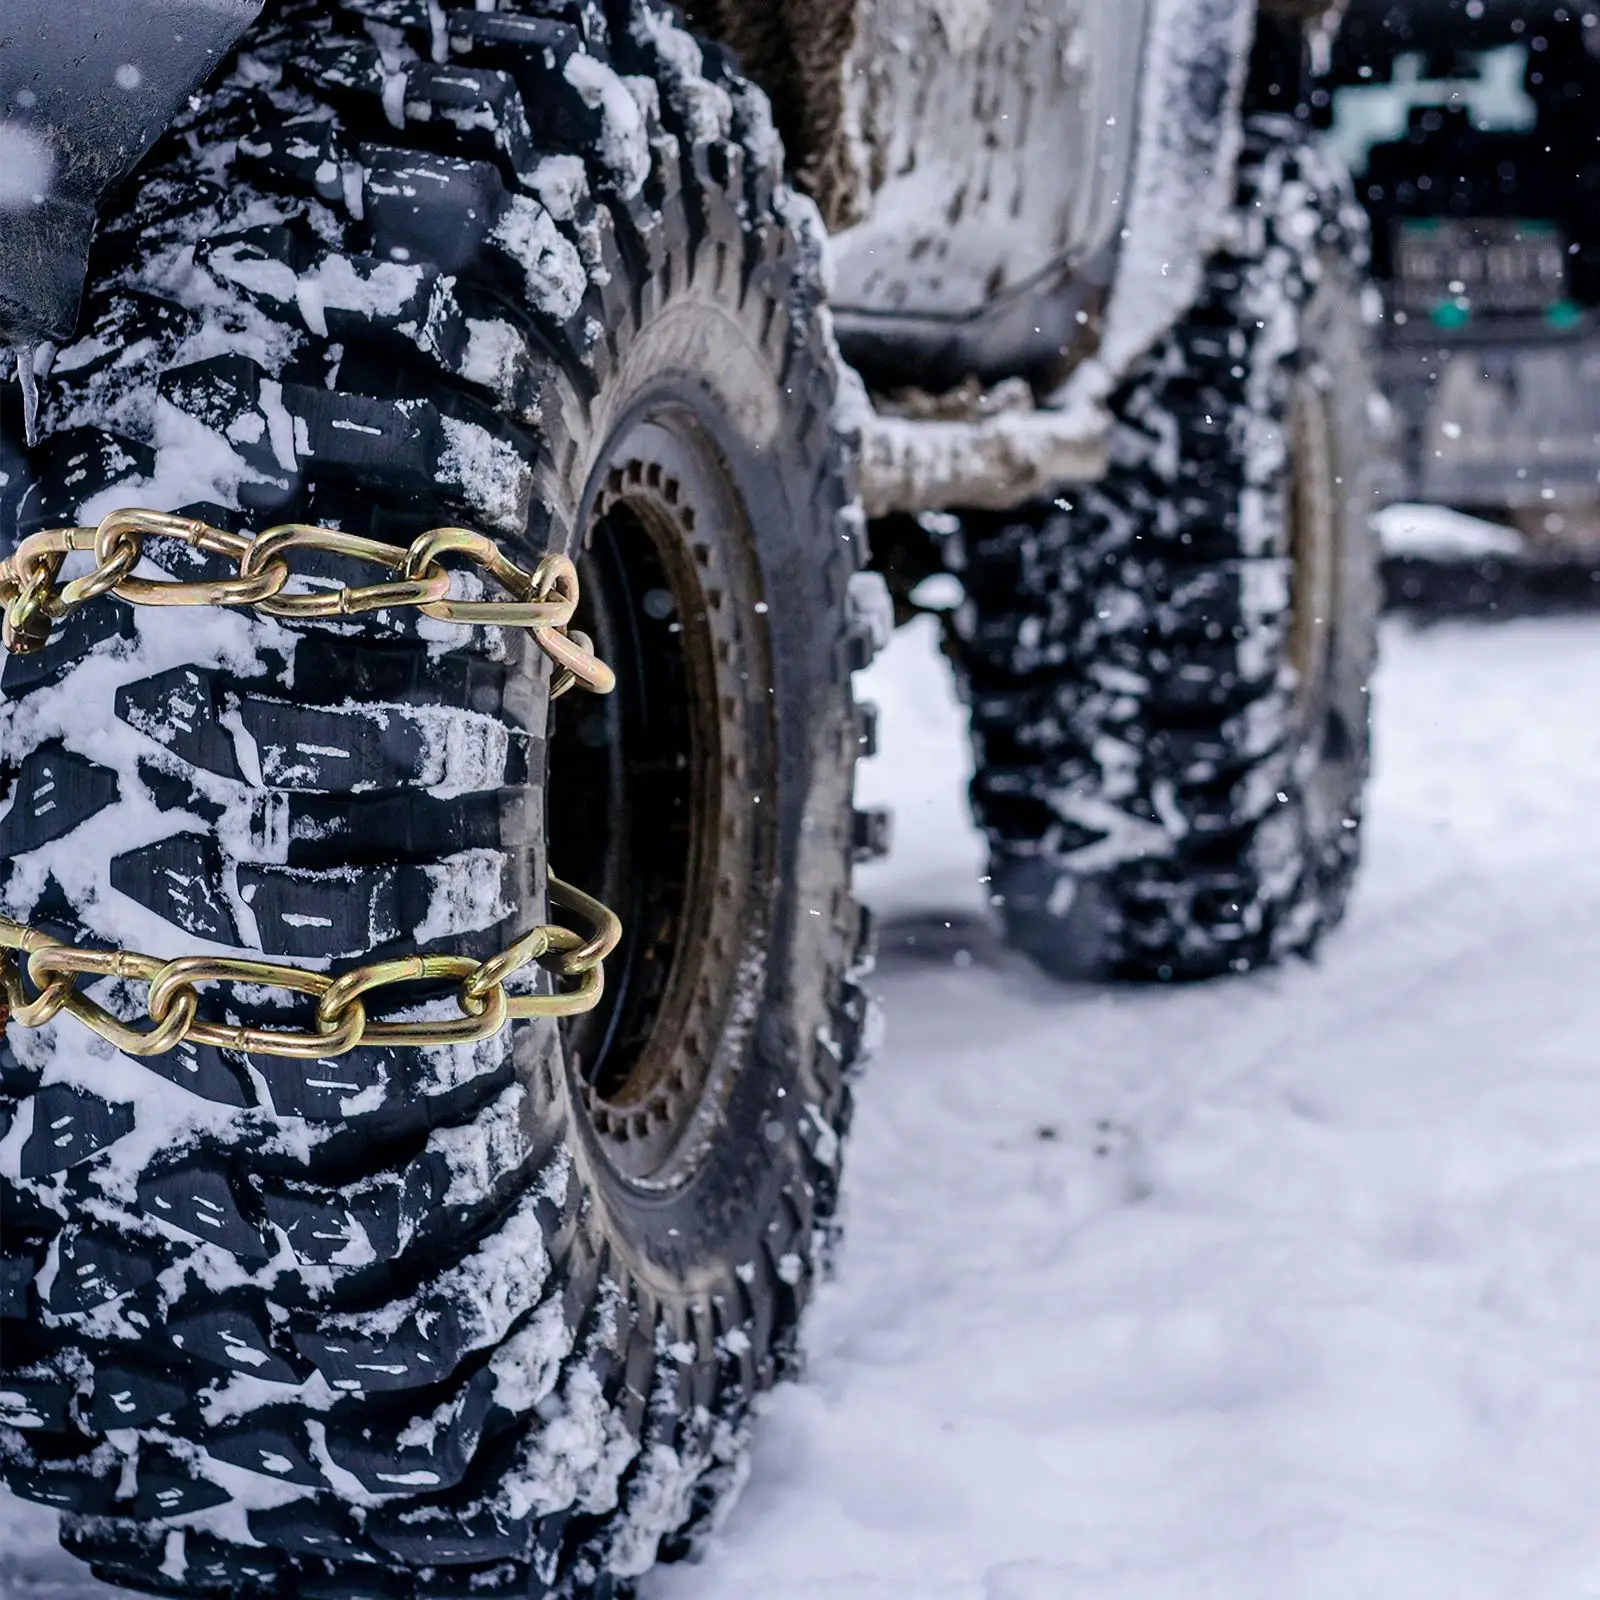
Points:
x=1149 y=714
x=1333 y=761
x=754 y=387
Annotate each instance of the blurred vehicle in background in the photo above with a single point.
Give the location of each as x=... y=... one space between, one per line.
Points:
x=1471 y=127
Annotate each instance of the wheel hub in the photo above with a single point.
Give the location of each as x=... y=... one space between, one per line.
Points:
x=679 y=842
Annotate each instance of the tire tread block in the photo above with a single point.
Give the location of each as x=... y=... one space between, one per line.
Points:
x=373 y=1222
x=168 y=1487
x=352 y=911
x=224 y=393
x=79 y=634
x=39 y=1400
x=198 y=1200
x=180 y=879
x=95 y=1265
x=127 y=1395
x=385 y=1462
x=233 y=1338
x=271 y=1442
x=204 y=1071
x=423 y=1350
x=78 y=463
x=62 y=1486
x=303 y=152
x=202 y=717
x=19 y=1268
x=447 y=1537
x=182 y=710
x=71 y=1125
x=55 y=791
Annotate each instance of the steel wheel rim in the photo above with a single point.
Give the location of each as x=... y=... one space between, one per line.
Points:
x=674 y=599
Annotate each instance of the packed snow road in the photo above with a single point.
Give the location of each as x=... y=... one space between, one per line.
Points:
x=1278 y=1289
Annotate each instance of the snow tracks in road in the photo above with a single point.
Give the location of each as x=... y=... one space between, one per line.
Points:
x=1279 y=1289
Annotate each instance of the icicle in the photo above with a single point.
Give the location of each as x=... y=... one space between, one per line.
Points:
x=32 y=364
x=439 y=27
x=30 y=395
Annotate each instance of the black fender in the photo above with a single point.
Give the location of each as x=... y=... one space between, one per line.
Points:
x=86 y=87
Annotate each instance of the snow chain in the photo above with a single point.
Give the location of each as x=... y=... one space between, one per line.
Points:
x=543 y=601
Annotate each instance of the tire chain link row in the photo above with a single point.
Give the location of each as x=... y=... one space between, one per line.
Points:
x=543 y=601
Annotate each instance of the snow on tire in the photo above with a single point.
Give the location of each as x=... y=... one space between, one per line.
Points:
x=477 y=1320
x=1168 y=675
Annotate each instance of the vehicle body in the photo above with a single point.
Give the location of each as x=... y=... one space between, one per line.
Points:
x=1473 y=130
x=377 y=1296
x=962 y=250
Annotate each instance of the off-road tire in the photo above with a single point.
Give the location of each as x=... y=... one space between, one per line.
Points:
x=467 y=1321
x=1165 y=794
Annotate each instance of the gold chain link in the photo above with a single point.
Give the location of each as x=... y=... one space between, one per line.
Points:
x=542 y=601
x=172 y=1000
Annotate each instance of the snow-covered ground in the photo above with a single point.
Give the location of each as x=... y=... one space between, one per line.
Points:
x=1283 y=1289
x=1280 y=1289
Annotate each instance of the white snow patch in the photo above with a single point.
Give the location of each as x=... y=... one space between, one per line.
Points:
x=554 y=271
x=193 y=462
x=577 y=1457
x=467 y=891
x=527 y=1365
x=659 y=1499
x=495 y=355
x=706 y=107
x=624 y=144
x=27 y=167
x=485 y=1150
x=491 y=473
x=562 y=185
x=1432 y=531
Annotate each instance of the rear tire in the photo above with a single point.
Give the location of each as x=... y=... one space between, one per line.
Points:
x=447 y=1322
x=1168 y=676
